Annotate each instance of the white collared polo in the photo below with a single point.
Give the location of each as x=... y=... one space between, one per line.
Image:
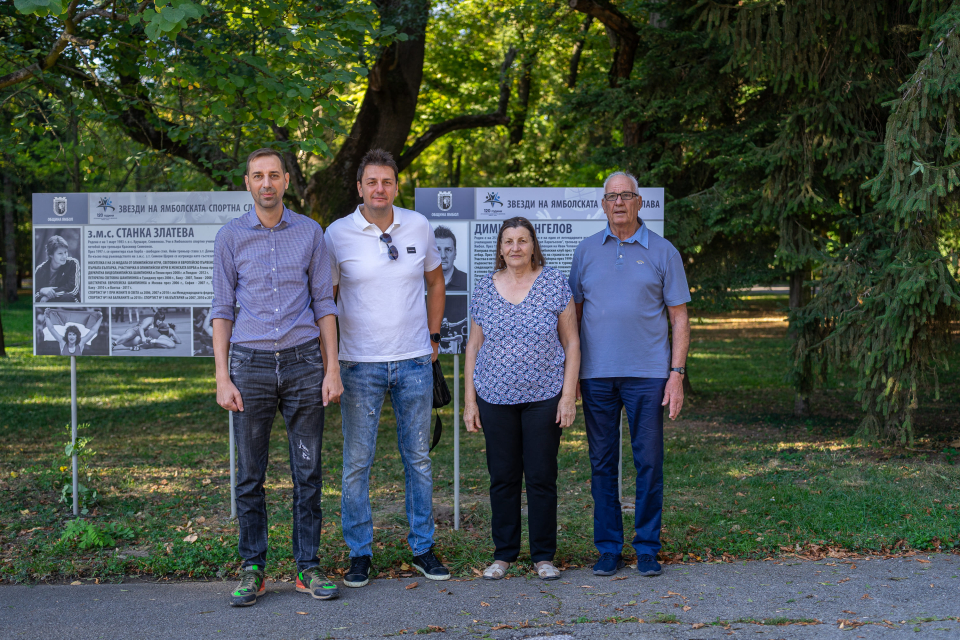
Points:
x=382 y=310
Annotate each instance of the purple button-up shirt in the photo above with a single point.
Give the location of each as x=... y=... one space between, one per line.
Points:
x=279 y=277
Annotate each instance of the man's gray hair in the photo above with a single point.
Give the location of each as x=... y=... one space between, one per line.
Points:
x=630 y=176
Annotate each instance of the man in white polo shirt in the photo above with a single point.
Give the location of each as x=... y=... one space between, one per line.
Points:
x=380 y=256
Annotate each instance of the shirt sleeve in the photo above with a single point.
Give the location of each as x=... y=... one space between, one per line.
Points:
x=675 y=288
x=476 y=304
x=321 y=284
x=563 y=293
x=332 y=253
x=224 y=300
x=71 y=280
x=576 y=286
x=432 y=258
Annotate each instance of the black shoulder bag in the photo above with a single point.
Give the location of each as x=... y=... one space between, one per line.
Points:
x=441 y=398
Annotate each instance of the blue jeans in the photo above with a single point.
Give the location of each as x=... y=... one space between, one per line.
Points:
x=365 y=385
x=603 y=399
x=290 y=380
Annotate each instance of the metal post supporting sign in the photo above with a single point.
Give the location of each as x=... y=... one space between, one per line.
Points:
x=73 y=434
x=456 y=441
x=233 y=470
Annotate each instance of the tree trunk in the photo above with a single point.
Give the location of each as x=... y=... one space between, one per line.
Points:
x=10 y=279
x=578 y=51
x=687 y=386
x=385 y=115
x=798 y=292
x=3 y=345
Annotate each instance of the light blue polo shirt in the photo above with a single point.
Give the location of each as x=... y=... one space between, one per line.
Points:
x=625 y=288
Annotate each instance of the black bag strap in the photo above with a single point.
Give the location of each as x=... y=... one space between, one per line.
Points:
x=437 y=430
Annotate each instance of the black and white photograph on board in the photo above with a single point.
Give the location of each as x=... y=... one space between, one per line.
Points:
x=202 y=332
x=154 y=331
x=453 y=241
x=72 y=331
x=453 y=328
x=57 y=273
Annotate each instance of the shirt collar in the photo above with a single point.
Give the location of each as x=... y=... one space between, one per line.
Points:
x=640 y=236
x=363 y=225
x=252 y=221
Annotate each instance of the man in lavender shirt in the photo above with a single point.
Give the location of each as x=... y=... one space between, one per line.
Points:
x=272 y=263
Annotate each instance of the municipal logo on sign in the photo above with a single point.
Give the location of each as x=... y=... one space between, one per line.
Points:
x=60 y=206
x=445 y=200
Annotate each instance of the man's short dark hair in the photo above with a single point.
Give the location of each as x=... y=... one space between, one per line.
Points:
x=444 y=232
x=378 y=158
x=259 y=153
x=54 y=243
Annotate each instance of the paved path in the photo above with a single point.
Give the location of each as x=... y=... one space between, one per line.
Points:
x=916 y=597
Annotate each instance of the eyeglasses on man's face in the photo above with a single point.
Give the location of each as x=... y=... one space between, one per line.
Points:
x=392 y=250
x=623 y=195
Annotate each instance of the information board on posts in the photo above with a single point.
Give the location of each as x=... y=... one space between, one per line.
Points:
x=466 y=222
x=127 y=274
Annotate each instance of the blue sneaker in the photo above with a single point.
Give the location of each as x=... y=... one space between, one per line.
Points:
x=648 y=566
x=608 y=564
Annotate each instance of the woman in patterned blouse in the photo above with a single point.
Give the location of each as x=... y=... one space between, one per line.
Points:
x=523 y=359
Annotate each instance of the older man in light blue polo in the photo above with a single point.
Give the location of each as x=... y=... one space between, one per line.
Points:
x=629 y=288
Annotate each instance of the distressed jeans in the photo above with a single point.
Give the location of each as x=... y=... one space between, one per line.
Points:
x=365 y=385
x=290 y=380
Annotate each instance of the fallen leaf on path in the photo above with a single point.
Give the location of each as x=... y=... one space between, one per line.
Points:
x=484 y=604
x=75 y=583
x=699 y=625
x=866 y=596
x=412 y=585
x=673 y=593
x=405 y=567
x=853 y=613
x=477 y=571
x=687 y=608
x=923 y=561
x=586 y=586
x=620 y=578
x=500 y=626
x=191 y=538
x=435 y=628
x=302 y=613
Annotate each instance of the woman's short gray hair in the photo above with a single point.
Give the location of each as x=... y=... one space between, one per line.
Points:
x=630 y=176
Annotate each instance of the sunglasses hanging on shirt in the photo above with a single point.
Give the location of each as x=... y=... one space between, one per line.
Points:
x=392 y=250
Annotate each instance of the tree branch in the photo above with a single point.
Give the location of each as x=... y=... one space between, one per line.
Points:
x=628 y=36
x=437 y=131
x=577 y=51
x=70 y=24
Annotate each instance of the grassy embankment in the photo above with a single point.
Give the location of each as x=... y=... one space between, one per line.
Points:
x=744 y=478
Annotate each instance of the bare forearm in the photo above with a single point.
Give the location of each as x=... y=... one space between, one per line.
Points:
x=222 y=330
x=436 y=299
x=681 y=338
x=328 y=337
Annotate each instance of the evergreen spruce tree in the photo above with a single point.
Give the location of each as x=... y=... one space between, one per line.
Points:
x=887 y=299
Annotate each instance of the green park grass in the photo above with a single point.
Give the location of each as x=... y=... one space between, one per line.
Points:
x=743 y=477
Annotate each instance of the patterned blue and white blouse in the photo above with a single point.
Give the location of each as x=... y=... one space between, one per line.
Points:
x=521 y=358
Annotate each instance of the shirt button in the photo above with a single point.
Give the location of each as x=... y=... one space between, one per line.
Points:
x=621 y=244
x=274 y=268
x=271 y=249
x=278 y=354
x=621 y=256
x=278 y=309
x=274 y=289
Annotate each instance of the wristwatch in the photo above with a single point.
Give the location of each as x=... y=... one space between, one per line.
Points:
x=435 y=337
x=681 y=370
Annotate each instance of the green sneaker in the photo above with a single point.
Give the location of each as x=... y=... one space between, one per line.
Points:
x=252 y=585
x=316 y=584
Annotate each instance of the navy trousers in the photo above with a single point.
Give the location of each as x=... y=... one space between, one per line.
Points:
x=603 y=399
